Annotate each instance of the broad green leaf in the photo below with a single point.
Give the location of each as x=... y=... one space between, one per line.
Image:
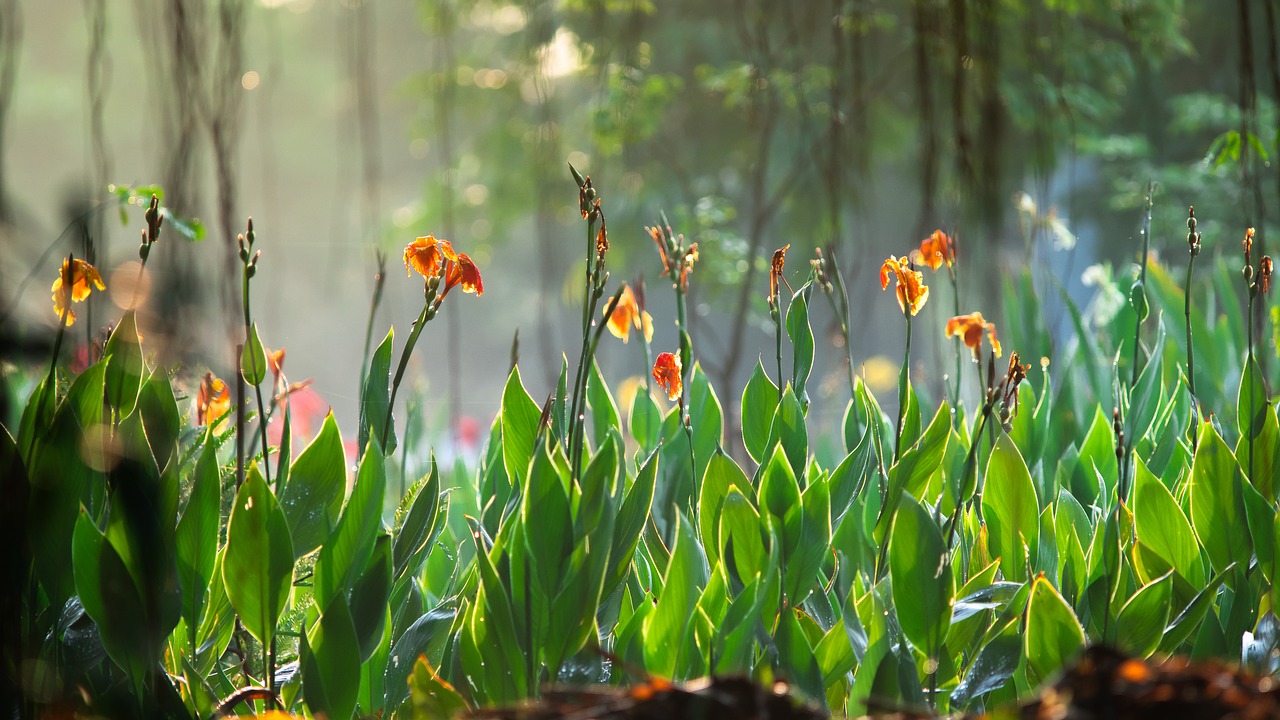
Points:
x=125 y=366
x=258 y=567
x=1011 y=509
x=347 y=550
x=788 y=428
x=1097 y=458
x=630 y=523
x=331 y=662
x=923 y=583
x=369 y=595
x=421 y=642
x=421 y=526
x=312 y=496
x=197 y=538
x=796 y=659
x=722 y=474
x=1217 y=502
x=604 y=411
x=1053 y=635
x=759 y=404
x=1161 y=526
x=519 y=416
x=253 y=359
x=664 y=629
x=1142 y=620
x=801 y=341
x=780 y=498
x=646 y=419
x=110 y=598
x=375 y=397
x=740 y=535
x=433 y=696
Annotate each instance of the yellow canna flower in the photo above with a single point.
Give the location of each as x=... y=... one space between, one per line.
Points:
x=73 y=286
x=937 y=249
x=912 y=292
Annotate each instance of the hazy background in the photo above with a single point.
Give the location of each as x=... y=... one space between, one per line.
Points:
x=348 y=127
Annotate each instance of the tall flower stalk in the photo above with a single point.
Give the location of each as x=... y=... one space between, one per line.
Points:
x=1258 y=281
x=678 y=259
x=1138 y=293
x=912 y=295
x=775 y=310
x=826 y=273
x=1193 y=248
x=593 y=289
x=937 y=250
x=442 y=270
x=253 y=362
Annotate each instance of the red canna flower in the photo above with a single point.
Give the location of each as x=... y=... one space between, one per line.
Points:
x=666 y=370
x=462 y=271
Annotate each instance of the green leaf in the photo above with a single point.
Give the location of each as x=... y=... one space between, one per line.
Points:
x=1160 y=525
x=687 y=574
x=1011 y=509
x=375 y=397
x=110 y=598
x=604 y=412
x=923 y=582
x=740 y=536
x=197 y=537
x=796 y=659
x=433 y=696
x=348 y=549
x=369 y=595
x=1097 y=458
x=421 y=526
x=519 y=416
x=1217 y=502
x=424 y=639
x=788 y=428
x=253 y=360
x=258 y=567
x=331 y=662
x=312 y=497
x=125 y=366
x=722 y=474
x=160 y=417
x=759 y=404
x=1053 y=635
x=1142 y=620
x=780 y=498
x=801 y=340
x=545 y=512
x=630 y=523
x=645 y=419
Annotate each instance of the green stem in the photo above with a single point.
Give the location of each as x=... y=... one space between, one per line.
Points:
x=776 y=314
x=423 y=318
x=589 y=358
x=970 y=467
x=682 y=320
x=589 y=295
x=955 y=386
x=904 y=380
x=1142 y=281
x=253 y=367
x=378 y=282
x=1248 y=429
x=838 y=278
x=1191 y=361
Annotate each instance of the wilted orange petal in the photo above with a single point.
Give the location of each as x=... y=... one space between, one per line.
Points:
x=646 y=325
x=666 y=370
x=462 y=271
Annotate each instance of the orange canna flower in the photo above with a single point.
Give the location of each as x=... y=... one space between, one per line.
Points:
x=462 y=271
x=937 y=249
x=912 y=292
x=73 y=286
x=970 y=328
x=627 y=314
x=686 y=265
x=666 y=370
x=427 y=255
x=775 y=272
x=275 y=361
x=213 y=401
